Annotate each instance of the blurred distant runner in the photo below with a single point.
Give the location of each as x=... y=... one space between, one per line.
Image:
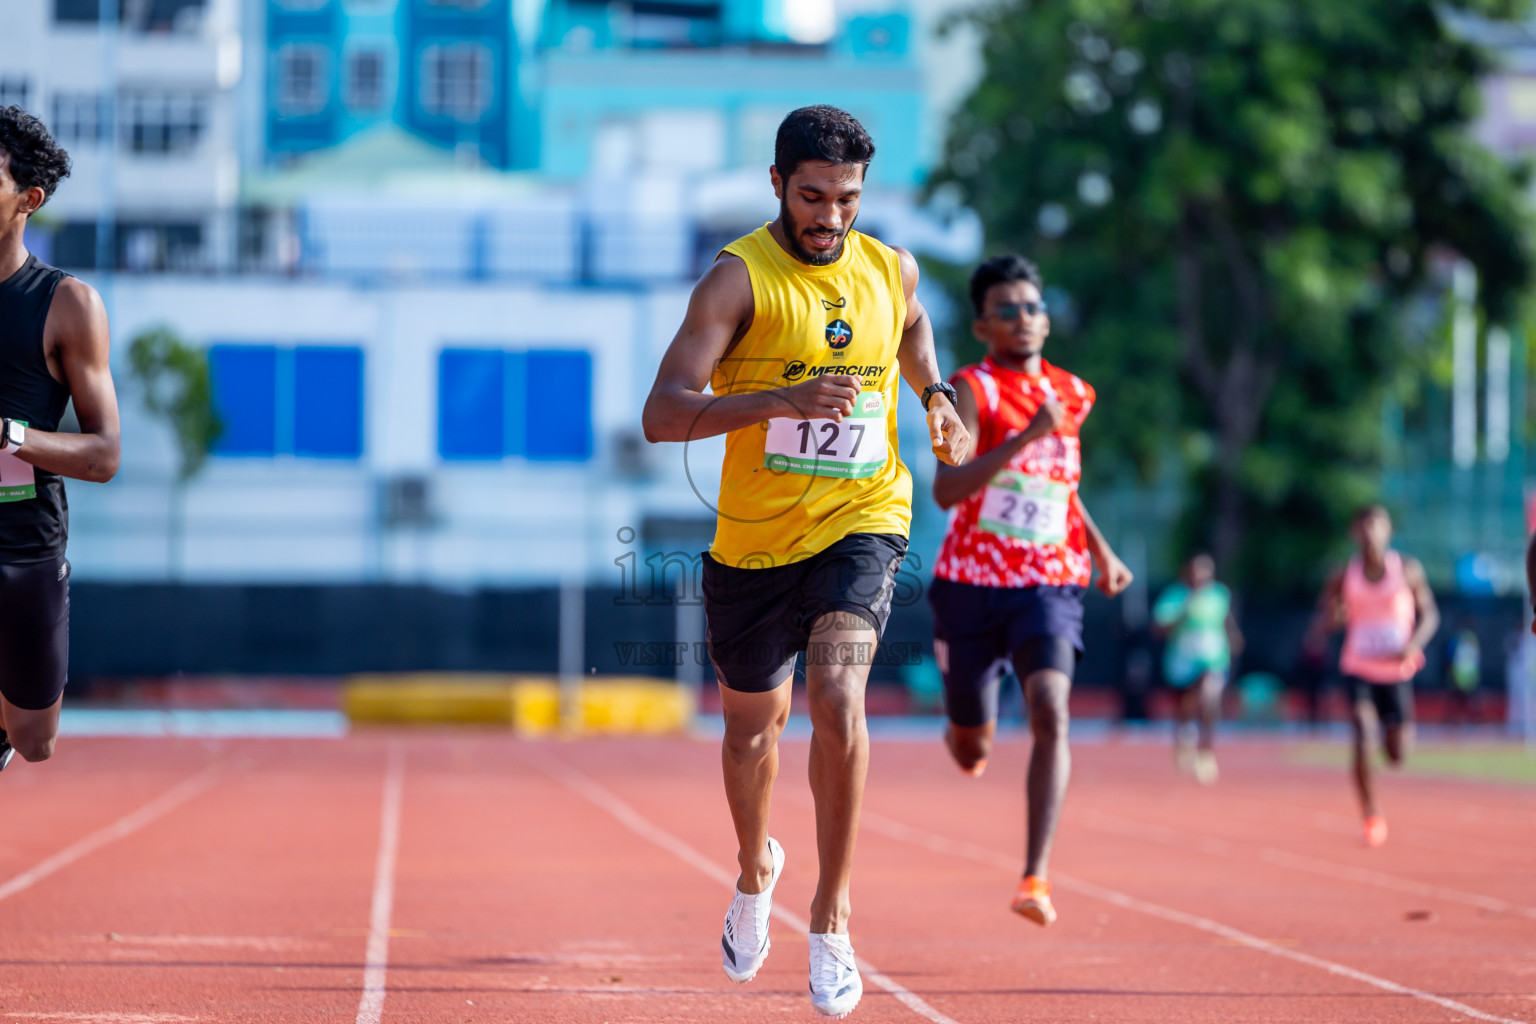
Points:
x=1195 y=618
x=1462 y=671
x=53 y=347
x=800 y=329
x=1009 y=581
x=1382 y=601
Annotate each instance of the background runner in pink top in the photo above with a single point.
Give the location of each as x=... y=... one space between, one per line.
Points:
x=1379 y=622
x=1382 y=601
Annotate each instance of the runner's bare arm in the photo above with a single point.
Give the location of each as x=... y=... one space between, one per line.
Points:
x=1329 y=617
x=1114 y=576
x=1428 y=609
x=920 y=368
x=719 y=313
x=953 y=484
x=77 y=345
x=1235 y=639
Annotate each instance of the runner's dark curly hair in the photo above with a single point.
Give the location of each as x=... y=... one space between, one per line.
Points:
x=36 y=160
x=1001 y=270
x=820 y=133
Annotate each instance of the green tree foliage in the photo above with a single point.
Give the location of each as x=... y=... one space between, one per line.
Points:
x=173 y=377
x=1240 y=199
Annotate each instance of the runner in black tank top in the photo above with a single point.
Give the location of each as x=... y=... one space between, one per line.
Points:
x=54 y=346
x=34 y=514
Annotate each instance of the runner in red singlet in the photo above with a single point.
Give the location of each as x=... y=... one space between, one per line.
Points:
x=1009 y=581
x=1382 y=601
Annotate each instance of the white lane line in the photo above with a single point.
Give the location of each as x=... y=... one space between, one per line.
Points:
x=1187 y=840
x=371 y=1006
x=632 y=820
x=940 y=844
x=128 y=824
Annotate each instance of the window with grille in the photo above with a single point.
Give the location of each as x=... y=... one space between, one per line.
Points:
x=162 y=122
x=301 y=84
x=456 y=80
x=14 y=92
x=81 y=118
x=365 y=80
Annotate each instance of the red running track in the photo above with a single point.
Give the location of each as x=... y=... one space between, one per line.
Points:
x=471 y=877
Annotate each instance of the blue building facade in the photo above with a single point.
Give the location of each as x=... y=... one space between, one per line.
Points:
x=590 y=87
x=446 y=70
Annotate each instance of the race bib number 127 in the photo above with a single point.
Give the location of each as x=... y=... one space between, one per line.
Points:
x=852 y=448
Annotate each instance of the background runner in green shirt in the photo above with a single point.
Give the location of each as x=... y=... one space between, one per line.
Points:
x=1195 y=618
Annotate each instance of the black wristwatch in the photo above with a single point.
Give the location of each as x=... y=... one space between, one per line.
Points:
x=940 y=388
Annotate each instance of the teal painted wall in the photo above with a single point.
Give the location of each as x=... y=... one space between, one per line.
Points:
x=593 y=69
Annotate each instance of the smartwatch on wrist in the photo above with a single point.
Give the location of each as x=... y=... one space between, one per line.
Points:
x=13 y=434
x=940 y=388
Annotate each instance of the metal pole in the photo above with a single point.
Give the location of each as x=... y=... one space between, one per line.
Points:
x=1496 y=396
x=572 y=651
x=1464 y=367
x=106 y=219
x=1136 y=600
x=688 y=628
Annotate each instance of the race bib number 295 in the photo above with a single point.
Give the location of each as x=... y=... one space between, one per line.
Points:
x=852 y=448
x=1027 y=507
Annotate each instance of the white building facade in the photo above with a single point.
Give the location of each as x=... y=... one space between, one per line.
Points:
x=146 y=107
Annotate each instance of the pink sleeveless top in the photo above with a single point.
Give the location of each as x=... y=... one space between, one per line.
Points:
x=1379 y=618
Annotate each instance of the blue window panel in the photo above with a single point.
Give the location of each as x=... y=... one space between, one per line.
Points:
x=244 y=379
x=328 y=402
x=471 y=404
x=557 y=406
x=516 y=391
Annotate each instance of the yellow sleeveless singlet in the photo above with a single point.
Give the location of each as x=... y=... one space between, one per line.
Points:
x=791 y=487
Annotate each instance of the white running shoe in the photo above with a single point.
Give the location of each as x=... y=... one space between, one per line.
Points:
x=1206 y=771
x=835 y=983
x=1184 y=756
x=744 y=945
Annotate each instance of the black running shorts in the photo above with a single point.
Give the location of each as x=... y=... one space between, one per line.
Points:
x=758 y=620
x=1393 y=701
x=34 y=632
x=979 y=631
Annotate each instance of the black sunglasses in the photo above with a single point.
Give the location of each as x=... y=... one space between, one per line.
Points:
x=1013 y=310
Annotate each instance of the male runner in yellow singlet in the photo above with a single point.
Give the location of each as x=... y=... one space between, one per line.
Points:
x=801 y=329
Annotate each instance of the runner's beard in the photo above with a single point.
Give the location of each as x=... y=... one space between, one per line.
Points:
x=804 y=255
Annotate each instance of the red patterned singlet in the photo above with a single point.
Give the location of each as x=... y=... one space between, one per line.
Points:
x=1022 y=530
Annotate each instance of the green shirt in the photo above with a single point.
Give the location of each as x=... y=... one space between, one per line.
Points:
x=1198 y=642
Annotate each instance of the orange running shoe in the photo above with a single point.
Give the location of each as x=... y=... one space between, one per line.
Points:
x=1033 y=900
x=975 y=770
x=1375 y=830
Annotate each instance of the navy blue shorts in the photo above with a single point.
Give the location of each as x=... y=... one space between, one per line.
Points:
x=979 y=631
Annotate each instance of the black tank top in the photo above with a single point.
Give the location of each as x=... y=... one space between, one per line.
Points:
x=35 y=528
